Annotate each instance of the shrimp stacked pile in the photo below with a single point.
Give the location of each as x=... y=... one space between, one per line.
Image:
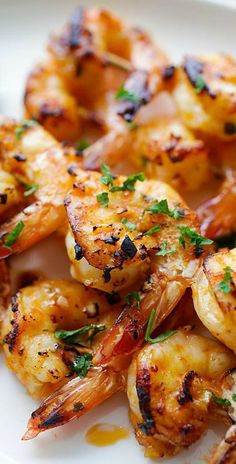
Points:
x=136 y=248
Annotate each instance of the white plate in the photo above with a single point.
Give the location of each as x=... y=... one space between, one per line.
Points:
x=180 y=26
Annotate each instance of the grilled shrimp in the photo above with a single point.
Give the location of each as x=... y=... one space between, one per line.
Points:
x=218 y=215
x=162 y=148
x=117 y=230
x=205 y=95
x=61 y=94
x=39 y=161
x=171 y=387
x=214 y=295
x=41 y=360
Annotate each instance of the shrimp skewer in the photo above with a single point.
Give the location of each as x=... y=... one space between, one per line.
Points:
x=4 y=289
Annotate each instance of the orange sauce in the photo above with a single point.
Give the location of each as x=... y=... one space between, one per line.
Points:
x=106 y=434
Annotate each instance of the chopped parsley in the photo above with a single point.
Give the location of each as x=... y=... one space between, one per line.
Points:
x=14 y=234
x=234 y=396
x=189 y=236
x=81 y=364
x=200 y=84
x=163 y=251
x=103 y=199
x=27 y=124
x=133 y=297
x=128 y=224
x=153 y=230
x=77 y=336
x=124 y=94
x=107 y=177
x=30 y=189
x=223 y=402
x=129 y=183
x=82 y=145
x=159 y=338
x=224 y=286
x=162 y=207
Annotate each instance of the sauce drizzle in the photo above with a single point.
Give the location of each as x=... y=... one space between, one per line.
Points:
x=106 y=434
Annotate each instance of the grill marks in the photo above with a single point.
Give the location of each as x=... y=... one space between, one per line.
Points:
x=11 y=337
x=184 y=396
x=194 y=69
x=143 y=386
x=138 y=84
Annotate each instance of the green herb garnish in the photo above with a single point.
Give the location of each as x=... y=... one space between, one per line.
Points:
x=129 y=183
x=153 y=230
x=220 y=401
x=82 y=145
x=128 y=224
x=234 y=396
x=81 y=364
x=14 y=234
x=162 y=207
x=30 y=189
x=124 y=94
x=224 y=286
x=27 y=124
x=193 y=237
x=107 y=177
x=133 y=297
x=103 y=199
x=199 y=84
x=163 y=251
x=77 y=336
x=159 y=338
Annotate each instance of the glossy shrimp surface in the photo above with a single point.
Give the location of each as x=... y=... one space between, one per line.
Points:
x=112 y=245
x=162 y=148
x=205 y=94
x=5 y=288
x=38 y=160
x=170 y=386
x=61 y=94
x=214 y=295
x=42 y=361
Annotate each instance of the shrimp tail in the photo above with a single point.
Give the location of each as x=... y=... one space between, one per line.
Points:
x=73 y=400
x=127 y=334
x=226 y=451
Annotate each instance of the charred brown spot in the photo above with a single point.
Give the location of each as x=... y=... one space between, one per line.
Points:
x=137 y=84
x=14 y=304
x=55 y=418
x=78 y=252
x=143 y=392
x=184 y=396
x=194 y=69
x=128 y=247
x=168 y=72
x=47 y=110
x=11 y=337
x=76 y=28
x=19 y=157
x=186 y=429
x=107 y=274
x=229 y=128
x=3 y=198
x=113 y=298
x=77 y=407
x=111 y=240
